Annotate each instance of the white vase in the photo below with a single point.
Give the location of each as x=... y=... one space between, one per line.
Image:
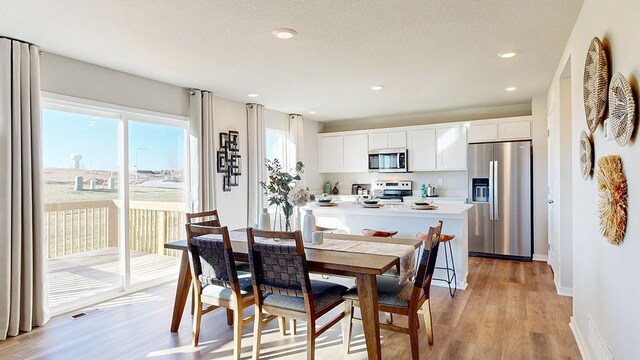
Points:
x=264 y=220
x=308 y=226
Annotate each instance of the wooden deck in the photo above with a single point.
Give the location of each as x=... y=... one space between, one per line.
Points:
x=83 y=275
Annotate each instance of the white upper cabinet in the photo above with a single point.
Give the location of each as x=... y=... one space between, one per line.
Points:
x=387 y=140
x=356 y=154
x=378 y=141
x=518 y=128
x=451 y=148
x=483 y=132
x=514 y=130
x=397 y=139
x=421 y=146
x=343 y=153
x=330 y=153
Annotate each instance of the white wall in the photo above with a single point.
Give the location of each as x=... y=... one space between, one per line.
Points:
x=492 y=112
x=276 y=120
x=65 y=76
x=232 y=205
x=606 y=285
x=454 y=182
x=312 y=178
x=539 y=141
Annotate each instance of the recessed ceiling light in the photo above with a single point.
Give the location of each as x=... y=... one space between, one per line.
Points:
x=284 y=33
x=511 y=88
x=376 y=87
x=509 y=54
x=313 y=112
x=253 y=95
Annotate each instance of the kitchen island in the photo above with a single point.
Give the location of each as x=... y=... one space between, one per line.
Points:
x=351 y=218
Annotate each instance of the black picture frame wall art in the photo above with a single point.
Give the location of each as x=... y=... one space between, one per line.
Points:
x=229 y=161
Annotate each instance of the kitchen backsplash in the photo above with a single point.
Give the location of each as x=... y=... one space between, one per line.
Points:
x=454 y=183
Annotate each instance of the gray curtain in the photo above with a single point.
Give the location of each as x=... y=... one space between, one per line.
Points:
x=202 y=150
x=257 y=154
x=23 y=291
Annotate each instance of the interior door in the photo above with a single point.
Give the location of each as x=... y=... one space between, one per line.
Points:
x=512 y=198
x=480 y=157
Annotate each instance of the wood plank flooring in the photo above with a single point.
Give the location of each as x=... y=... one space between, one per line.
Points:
x=509 y=311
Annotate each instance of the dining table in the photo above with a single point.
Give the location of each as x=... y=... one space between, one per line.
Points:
x=364 y=267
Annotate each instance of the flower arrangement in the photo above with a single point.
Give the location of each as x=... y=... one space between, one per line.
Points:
x=282 y=191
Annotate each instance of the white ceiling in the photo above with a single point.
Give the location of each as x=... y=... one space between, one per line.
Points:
x=430 y=55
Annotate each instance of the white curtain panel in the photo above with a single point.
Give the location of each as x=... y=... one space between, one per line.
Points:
x=296 y=141
x=23 y=290
x=202 y=151
x=256 y=156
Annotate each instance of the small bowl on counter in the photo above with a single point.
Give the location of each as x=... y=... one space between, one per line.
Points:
x=370 y=201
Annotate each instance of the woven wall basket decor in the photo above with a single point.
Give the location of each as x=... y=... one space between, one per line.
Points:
x=612 y=187
x=622 y=109
x=586 y=155
x=595 y=84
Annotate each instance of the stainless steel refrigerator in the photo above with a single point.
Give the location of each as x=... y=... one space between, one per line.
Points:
x=500 y=177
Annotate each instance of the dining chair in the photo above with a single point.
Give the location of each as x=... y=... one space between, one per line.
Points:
x=211 y=218
x=216 y=281
x=282 y=286
x=402 y=299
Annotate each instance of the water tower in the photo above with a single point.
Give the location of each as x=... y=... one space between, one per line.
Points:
x=76 y=160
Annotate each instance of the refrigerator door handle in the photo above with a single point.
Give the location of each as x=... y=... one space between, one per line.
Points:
x=491 y=190
x=495 y=191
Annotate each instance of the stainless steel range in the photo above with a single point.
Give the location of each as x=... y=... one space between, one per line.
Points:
x=389 y=191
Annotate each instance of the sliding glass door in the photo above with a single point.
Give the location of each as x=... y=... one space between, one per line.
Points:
x=106 y=227
x=157 y=192
x=81 y=172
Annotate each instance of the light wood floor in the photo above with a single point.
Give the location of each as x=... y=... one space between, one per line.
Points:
x=509 y=311
x=86 y=274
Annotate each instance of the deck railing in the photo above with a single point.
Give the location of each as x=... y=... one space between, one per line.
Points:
x=77 y=227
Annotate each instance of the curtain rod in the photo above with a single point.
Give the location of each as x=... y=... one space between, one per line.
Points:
x=14 y=39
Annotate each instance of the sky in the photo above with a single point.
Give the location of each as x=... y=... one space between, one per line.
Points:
x=156 y=147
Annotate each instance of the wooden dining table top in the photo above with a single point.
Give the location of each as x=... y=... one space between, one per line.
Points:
x=326 y=260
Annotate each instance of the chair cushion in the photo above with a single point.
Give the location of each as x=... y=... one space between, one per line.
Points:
x=242 y=267
x=324 y=293
x=224 y=293
x=392 y=272
x=390 y=292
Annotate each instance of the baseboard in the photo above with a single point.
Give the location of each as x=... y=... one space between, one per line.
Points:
x=562 y=291
x=540 y=257
x=582 y=345
x=460 y=285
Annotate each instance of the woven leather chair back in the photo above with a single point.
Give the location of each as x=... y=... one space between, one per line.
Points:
x=211 y=258
x=278 y=268
x=427 y=264
x=212 y=218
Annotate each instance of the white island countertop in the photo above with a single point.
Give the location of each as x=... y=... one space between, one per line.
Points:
x=444 y=211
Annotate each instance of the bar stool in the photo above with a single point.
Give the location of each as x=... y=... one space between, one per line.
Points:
x=378 y=233
x=451 y=271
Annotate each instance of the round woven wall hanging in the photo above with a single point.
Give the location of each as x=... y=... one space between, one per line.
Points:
x=612 y=186
x=586 y=155
x=622 y=109
x=595 y=84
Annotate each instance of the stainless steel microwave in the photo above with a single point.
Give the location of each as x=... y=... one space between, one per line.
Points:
x=388 y=160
